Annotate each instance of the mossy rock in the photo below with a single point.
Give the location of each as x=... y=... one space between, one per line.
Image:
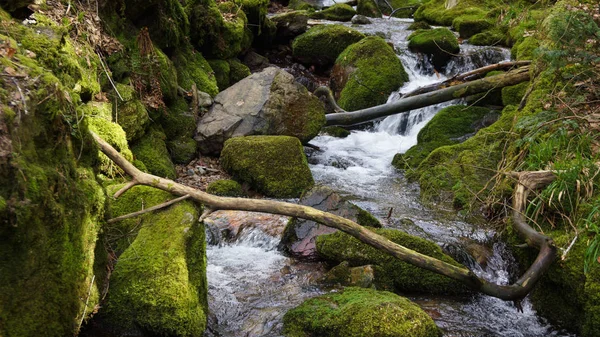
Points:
x=50 y=202
x=159 y=284
x=335 y=131
x=225 y=188
x=131 y=113
x=366 y=73
x=95 y=109
x=490 y=37
x=525 y=49
x=358 y=312
x=440 y=44
x=114 y=135
x=300 y=5
x=273 y=165
x=435 y=11
x=222 y=70
x=192 y=68
x=152 y=151
x=514 y=94
x=449 y=126
x=321 y=45
x=467 y=26
x=237 y=71
x=166 y=20
x=337 y=12
x=368 y=8
x=178 y=121
x=182 y=150
x=391 y=273
x=419 y=25
x=403 y=8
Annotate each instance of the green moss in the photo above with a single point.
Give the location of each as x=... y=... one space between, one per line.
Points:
x=222 y=70
x=97 y=109
x=491 y=37
x=335 y=131
x=368 y=8
x=179 y=121
x=435 y=11
x=300 y=5
x=237 y=71
x=438 y=43
x=356 y=312
x=367 y=72
x=193 y=68
x=338 y=247
x=230 y=36
x=525 y=49
x=166 y=20
x=183 y=150
x=337 y=12
x=167 y=75
x=225 y=187
x=159 y=284
x=273 y=165
x=468 y=26
x=419 y=25
x=322 y=44
x=152 y=151
x=514 y=94
x=113 y=134
x=130 y=113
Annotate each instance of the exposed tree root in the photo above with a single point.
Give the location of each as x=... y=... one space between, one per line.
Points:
x=516 y=291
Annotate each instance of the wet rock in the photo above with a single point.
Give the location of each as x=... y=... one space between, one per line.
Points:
x=357 y=312
x=300 y=235
x=479 y=252
x=345 y=275
x=230 y=224
x=289 y=25
x=272 y=165
x=360 y=20
x=337 y=12
x=255 y=61
x=439 y=44
x=265 y=103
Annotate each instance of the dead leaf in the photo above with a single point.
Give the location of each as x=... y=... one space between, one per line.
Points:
x=10 y=71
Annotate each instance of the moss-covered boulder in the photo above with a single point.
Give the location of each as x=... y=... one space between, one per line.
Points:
x=335 y=131
x=221 y=70
x=225 y=188
x=467 y=26
x=449 y=126
x=366 y=73
x=368 y=8
x=337 y=12
x=439 y=44
x=301 y=5
x=391 y=273
x=290 y=24
x=51 y=205
x=300 y=235
x=321 y=45
x=159 y=283
x=131 y=114
x=152 y=151
x=441 y=13
x=265 y=103
x=419 y=25
x=237 y=71
x=489 y=38
x=358 y=312
x=192 y=68
x=273 y=165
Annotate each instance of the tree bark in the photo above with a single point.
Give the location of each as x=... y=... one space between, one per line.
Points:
x=516 y=291
x=438 y=96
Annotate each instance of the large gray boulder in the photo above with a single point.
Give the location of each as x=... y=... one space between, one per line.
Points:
x=300 y=235
x=265 y=103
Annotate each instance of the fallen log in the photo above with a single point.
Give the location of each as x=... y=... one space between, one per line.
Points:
x=516 y=291
x=438 y=96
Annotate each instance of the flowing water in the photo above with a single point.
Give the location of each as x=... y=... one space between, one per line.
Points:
x=251 y=285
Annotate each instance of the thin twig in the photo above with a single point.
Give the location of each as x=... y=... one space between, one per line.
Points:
x=125 y=188
x=107 y=75
x=86 y=301
x=150 y=209
x=564 y=255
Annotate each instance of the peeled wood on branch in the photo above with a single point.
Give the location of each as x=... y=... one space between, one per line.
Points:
x=438 y=96
x=516 y=291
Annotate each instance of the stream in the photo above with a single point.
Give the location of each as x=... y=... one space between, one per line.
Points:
x=252 y=285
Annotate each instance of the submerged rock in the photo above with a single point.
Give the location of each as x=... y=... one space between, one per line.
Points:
x=300 y=235
x=344 y=275
x=229 y=225
x=440 y=44
x=322 y=44
x=391 y=273
x=273 y=165
x=358 y=312
x=265 y=103
x=360 y=20
x=366 y=73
